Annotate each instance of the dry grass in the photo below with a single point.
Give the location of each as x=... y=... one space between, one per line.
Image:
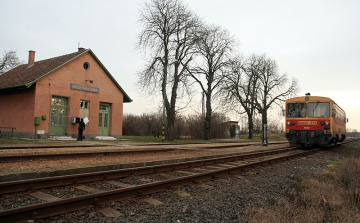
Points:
x=331 y=196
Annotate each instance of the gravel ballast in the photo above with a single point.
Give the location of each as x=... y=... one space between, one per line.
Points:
x=220 y=200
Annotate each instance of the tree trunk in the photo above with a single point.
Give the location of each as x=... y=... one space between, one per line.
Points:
x=170 y=125
x=170 y=108
x=251 y=126
x=207 y=126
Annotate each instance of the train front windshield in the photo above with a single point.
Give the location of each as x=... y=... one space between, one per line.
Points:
x=296 y=110
x=319 y=109
x=311 y=110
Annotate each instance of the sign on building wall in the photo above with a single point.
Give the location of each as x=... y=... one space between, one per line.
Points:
x=84 y=88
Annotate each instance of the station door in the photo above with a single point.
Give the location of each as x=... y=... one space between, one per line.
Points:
x=58 y=115
x=104 y=119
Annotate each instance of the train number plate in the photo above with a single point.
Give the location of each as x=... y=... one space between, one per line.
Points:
x=307 y=122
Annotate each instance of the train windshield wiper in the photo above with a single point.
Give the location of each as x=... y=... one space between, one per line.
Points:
x=313 y=114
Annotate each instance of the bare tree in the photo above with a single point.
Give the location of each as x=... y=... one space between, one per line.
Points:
x=241 y=86
x=256 y=84
x=169 y=30
x=273 y=89
x=8 y=61
x=214 y=48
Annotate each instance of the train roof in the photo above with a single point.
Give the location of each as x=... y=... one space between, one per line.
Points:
x=311 y=99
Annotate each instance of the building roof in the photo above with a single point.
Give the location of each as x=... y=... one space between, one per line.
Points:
x=24 y=76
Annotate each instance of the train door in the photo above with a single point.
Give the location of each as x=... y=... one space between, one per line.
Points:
x=104 y=119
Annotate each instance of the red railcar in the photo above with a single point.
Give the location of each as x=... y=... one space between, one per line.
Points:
x=313 y=120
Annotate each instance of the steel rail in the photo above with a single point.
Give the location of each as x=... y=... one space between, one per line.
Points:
x=49 y=209
x=46 y=182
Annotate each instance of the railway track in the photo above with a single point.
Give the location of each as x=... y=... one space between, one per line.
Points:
x=71 y=155
x=43 y=210
x=39 y=183
x=246 y=143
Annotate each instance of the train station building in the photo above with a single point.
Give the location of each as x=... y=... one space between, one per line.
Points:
x=48 y=97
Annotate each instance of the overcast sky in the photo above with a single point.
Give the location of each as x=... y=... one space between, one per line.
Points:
x=316 y=41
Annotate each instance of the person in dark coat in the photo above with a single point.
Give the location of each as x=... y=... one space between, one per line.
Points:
x=81 y=129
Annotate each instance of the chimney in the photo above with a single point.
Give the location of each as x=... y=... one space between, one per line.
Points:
x=80 y=49
x=31 y=57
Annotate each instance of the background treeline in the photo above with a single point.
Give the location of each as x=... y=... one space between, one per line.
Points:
x=185 y=126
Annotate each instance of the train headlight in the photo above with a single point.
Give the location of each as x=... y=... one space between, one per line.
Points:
x=322 y=123
x=292 y=123
x=288 y=123
x=327 y=123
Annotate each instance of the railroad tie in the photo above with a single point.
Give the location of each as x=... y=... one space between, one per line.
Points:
x=152 y=201
x=181 y=193
x=205 y=186
x=184 y=172
x=43 y=196
x=88 y=189
x=119 y=184
x=226 y=165
x=225 y=181
x=110 y=212
x=213 y=167
x=197 y=169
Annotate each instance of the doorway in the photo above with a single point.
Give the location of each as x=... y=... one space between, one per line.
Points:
x=104 y=119
x=58 y=115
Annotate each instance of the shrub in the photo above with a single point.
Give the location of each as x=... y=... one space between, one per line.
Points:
x=191 y=126
x=195 y=126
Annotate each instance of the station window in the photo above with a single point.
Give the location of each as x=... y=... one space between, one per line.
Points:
x=84 y=110
x=86 y=65
x=84 y=104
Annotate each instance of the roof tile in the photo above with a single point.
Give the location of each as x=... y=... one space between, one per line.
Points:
x=24 y=75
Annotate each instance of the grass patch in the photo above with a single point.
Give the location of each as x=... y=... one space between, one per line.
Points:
x=17 y=141
x=151 y=139
x=256 y=137
x=333 y=195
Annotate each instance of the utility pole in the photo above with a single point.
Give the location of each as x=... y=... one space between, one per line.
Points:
x=164 y=104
